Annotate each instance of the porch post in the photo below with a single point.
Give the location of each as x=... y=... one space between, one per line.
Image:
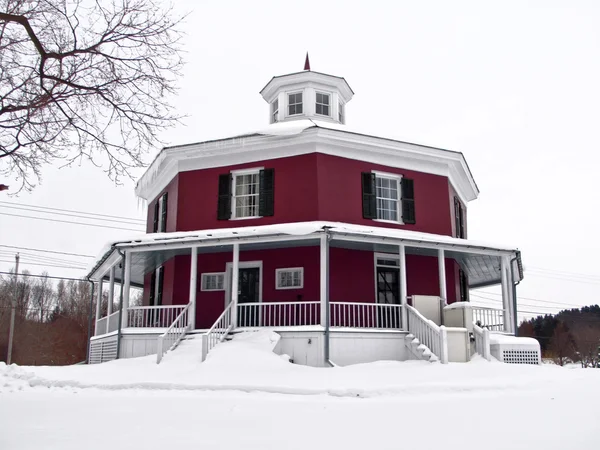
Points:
x=403 y=295
x=442 y=275
x=111 y=291
x=235 y=274
x=193 y=287
x=510 y=292
x=126 y=286
x=505 y=295
x=324 y=270
x=98 y=306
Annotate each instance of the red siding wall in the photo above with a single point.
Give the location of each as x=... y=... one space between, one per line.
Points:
x=340 y=195
x=307 y=187
x=295 y=194
x=351 y=275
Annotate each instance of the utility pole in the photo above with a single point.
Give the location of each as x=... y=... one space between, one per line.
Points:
x=12 y=312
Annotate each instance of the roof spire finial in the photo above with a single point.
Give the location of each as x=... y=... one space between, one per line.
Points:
x=306 y=63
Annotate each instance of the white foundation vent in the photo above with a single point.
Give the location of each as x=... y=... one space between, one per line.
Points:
x=515 y=350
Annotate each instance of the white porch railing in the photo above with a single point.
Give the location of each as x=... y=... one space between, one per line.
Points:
x=278 y=314
x=428 y=333
x=170 y=338
x=218 y=332
x=482 y=341
x=107 y=324
x=490 y=318
x=153 y=316
x=365 y=315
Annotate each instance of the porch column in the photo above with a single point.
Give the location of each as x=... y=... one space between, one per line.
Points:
x=235 y=274
x=126 y=286
x=403 y=295
x=111 y=291
x=505 y=295
x=324 y=279
x=193 y=287
x=510 y=292
x=442 y=275
x=98 y=306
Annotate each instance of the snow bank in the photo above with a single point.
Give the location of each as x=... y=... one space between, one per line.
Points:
x=248 y=364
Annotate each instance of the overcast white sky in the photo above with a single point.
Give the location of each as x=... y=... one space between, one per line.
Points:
x=514 y=87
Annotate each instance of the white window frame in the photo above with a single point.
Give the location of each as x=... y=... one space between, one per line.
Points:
x=329 y=96
x=212 y=274
x=162 y=227
x=288 y=104
x=341 y=111
x=389 y=257
x=275 y=111
x=398 y=179
x=234 y=175
x=289 y=269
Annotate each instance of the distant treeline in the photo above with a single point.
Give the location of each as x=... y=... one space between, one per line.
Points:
x=572 y=335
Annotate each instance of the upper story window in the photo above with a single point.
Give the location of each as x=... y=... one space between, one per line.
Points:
x=341 y=117
x=160 y=214
x=388 y=197
x=246 y=194
x=322 y=104
x=295 y=104
x=274 y=111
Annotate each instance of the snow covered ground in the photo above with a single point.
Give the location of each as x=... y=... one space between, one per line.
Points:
x=245 y=396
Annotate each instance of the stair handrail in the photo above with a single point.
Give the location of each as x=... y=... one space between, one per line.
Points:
x=482 y=341
x=174 y=334
x=219 y=331
x=434 y=337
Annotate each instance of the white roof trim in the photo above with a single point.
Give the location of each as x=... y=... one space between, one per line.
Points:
x=303 y=137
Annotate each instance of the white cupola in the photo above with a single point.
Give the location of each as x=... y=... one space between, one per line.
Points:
x=307 y=95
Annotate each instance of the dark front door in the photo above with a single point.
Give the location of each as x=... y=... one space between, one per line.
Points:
x=248 y=291
x=388 y=293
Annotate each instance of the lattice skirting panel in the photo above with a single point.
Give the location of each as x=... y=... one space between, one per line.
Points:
x=102 y=350
x=517 y=353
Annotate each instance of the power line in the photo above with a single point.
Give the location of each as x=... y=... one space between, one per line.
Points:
x=74 y=211
x=524 y=304
x=70 y=215
x=48 y=251
x=46 y=265
x=37 y=257
x=75 y=223
x=43 y=276
x=564 y=278
x=562 y=272
x=526 y=298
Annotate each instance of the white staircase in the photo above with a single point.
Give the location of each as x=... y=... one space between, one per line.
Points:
x=418 y=350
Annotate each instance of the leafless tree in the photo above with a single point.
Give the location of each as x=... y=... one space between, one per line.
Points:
x=586 y=336
x=84 y=79
x=42 y=298
x=561 y=345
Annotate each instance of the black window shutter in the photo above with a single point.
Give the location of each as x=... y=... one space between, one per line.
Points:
x=266 y=199
x=163 y=218
x=458 y=219
x=224 y=204
x=408 y=201
x=155 y=226
x=161 y=279
x=152 y=289
x=369 y=197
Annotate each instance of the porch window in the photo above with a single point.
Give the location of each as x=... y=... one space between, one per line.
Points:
x=213 y=281
x=292 y=278
x=295 y=104
x=160 y=214
x=388 y=197
x=156 y=287
x=322 y=104
x=246 y=194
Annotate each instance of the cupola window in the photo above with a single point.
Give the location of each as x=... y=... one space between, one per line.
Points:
x=274 y=111
x=322 y=105
x=341 y=117
x=295 y=104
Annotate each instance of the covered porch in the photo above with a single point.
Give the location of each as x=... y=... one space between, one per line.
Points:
x=326 y=306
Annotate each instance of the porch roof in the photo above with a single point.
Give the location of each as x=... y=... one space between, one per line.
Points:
x=480 y=260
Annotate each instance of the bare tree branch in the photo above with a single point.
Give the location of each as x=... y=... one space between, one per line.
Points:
x=84 y=79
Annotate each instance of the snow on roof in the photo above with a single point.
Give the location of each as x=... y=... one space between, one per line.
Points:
x=291 y=229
